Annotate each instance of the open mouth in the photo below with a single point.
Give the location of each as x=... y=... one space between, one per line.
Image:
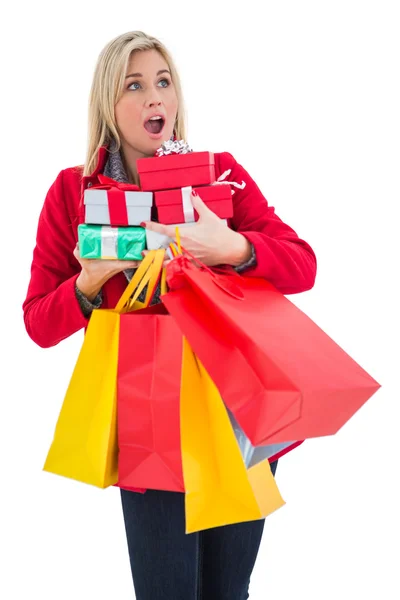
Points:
x=155 y=125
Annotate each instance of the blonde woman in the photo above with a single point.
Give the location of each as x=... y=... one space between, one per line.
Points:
x=135 y=104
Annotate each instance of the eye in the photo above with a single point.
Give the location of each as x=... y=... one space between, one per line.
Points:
x=164 y=81
x=132 y=84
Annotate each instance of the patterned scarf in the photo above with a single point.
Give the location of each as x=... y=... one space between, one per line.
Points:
x=114 y=166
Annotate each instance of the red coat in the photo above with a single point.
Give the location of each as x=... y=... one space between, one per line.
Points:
x=51 y=309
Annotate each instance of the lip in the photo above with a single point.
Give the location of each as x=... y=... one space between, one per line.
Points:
x=155 y=136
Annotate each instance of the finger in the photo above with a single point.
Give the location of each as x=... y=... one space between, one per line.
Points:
x=159 y=228
x=200 y=206
x=128 y=264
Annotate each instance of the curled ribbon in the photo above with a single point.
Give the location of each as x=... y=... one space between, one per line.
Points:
x=222 y=181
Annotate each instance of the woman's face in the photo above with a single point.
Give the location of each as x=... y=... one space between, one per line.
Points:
x=147 y=109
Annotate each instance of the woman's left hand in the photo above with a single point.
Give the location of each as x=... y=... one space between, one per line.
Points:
x=209 y=239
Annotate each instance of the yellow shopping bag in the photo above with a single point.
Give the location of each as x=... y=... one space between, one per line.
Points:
x=85 y=440
x=219 y=489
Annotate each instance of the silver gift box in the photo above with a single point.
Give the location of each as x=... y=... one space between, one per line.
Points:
x=138 y=206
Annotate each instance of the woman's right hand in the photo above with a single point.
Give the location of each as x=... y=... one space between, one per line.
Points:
x=95 y=272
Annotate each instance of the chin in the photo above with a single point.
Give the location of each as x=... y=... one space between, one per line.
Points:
x=147 y=146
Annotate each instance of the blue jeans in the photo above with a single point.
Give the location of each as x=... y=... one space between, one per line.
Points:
x=168 y=564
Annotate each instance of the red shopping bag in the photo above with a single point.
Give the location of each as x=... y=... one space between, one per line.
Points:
x=282 y=377
x=148 y=392
x=233 y=375
x=148 y=386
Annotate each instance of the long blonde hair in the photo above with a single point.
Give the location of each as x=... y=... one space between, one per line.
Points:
x=107 y=88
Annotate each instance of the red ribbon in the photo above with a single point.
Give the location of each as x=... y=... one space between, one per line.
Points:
x=116 y=198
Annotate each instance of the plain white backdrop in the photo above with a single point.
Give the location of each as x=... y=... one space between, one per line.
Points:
x=306 y=96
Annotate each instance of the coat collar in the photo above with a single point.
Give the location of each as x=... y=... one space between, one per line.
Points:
x=101 y=162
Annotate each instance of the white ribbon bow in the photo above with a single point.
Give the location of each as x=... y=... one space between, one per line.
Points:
x=221 y=181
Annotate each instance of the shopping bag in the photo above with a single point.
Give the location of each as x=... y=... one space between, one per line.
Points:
x=85 y=442
x=282 y=377
x=252 y=455
x=219 y=488
x=149 y=378
x=148 y=391
x=238 y=379
x=85 y=446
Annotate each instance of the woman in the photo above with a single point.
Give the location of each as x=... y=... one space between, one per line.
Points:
x=136 y=104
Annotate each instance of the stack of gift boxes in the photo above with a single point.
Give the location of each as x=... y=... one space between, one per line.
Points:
x=114 y=211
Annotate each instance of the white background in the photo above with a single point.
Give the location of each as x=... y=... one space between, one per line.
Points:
x=306 y=96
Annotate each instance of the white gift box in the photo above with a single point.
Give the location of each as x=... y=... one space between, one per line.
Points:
x=97 y=209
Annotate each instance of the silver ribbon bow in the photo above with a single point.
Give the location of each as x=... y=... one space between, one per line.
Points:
x=173 y=147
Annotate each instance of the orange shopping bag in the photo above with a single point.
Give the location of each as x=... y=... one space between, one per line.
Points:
x=219 y=488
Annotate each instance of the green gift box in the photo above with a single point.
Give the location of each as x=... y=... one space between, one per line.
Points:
x=105 y=242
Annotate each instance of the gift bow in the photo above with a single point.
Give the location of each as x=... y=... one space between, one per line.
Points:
x=173 y=146
x=116 y=198
x=106 y=183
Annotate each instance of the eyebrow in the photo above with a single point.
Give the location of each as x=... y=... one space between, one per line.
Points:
x=141 y=75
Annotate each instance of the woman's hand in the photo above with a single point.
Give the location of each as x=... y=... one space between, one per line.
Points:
x=96 y=272
x=209 y=240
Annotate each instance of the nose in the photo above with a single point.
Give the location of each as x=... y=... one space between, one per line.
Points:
x=153 y=98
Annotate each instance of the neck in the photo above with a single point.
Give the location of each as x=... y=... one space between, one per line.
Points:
x=129 y=157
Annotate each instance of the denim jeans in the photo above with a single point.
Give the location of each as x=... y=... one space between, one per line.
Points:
x=168 y=564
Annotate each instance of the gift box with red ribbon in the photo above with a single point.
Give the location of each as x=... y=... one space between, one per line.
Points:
x=116 y=204
x=175 y=206
x=173 y=171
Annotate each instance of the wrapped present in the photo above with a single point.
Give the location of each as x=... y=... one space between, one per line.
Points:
x=175 y=206
x=105 y=242
x=116 y=204
x=176 y=171
x=155 y=240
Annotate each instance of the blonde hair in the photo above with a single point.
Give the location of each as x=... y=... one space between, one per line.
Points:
x=107 y=87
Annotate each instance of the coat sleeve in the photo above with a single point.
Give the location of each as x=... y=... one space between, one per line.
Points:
x=285 y=260
x=51 y=309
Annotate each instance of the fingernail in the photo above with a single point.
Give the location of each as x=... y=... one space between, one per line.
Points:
x=142 y=224
x=143 y=253
x=194 y=193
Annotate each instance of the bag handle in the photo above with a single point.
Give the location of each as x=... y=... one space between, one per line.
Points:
x=164 y=288
x=157 y=270
x=151 y=279
x=225 y=283
x=145 y=274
